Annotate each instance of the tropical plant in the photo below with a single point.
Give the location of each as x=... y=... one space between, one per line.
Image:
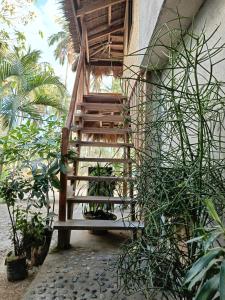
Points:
x=182 y=161
x=64 y=51
x=64 y=44
x=14 y=187
x=26 y=85
x=31 y=142
x=97 y=188
x=206 y=276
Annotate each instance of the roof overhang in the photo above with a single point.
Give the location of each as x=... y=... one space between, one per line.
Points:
x=104 y=21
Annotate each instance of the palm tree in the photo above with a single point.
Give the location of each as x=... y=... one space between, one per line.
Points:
x=64 y=51
x=26 y=85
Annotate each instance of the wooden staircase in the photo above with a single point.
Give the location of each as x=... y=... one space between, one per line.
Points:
x=105 y=115
x=96 y=120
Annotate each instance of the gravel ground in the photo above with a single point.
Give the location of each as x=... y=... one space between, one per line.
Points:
x=78 y=274
x=9 y=290
x=5 y=242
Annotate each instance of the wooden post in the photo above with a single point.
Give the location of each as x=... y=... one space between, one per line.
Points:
x=63 y=235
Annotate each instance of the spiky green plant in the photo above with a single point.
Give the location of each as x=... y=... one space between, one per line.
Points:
x=182 y=161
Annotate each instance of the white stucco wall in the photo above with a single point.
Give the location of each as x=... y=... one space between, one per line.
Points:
x=211 y=15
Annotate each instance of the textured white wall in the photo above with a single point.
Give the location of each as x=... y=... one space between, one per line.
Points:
x=209 y=17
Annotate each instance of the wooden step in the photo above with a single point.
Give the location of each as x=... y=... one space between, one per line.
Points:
x=102 y=130
x=102 y=160
x=99 y=178
x=100 y=199
x=104 y=98
x=99 y=225
x=99 y=118
x=100 y=144
x=101 y=107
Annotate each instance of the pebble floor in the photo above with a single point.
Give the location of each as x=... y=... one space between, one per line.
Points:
x=80 y=274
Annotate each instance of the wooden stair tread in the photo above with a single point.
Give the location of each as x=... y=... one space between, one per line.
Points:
x=104 y=98
x=102 y=130
x=101 y=159
x=98 y=224
x=100 y=144
x=101 y=107
x=100 y=199
x=99 y=178
x=100 y=118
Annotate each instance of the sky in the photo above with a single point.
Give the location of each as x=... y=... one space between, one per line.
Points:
x=47 y=12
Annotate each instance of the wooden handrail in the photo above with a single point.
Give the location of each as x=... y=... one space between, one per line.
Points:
x=73 y=102
x=78 y=86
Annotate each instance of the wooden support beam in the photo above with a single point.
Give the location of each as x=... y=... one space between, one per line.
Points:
x=117 y=47
x=117 y=38
x=105 y=26
x=91 y=6
x=98 y=50
x=117 y=51
x=109 y=23
x=110 y=29
x=87 y=47
x=97 y=45
x=110 y=63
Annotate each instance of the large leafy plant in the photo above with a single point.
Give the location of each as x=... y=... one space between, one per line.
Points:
x=100 y=188
x=206 y=277
x=35 y=150
x=15 y=187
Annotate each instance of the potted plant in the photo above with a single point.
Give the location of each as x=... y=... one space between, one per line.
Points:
x=35 y=241
x=40 y=227
x=12 y=188
x=102 y=188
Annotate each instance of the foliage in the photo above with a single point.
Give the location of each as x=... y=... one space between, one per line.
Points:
x=32 y=141
x=26 y=85
x=64 y=44
x=32 y=150
x=100 y=188
x=181 y=165
x=206 y=276
x=12 y=12
x=15 y=187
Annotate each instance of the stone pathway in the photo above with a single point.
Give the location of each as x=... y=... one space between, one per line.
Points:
x=80 y=274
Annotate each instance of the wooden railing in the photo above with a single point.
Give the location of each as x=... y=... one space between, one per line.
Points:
x=77 y=96
x=135 y=90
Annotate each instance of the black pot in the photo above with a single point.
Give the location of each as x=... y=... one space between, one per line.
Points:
x=99 y=215
x=16 y=269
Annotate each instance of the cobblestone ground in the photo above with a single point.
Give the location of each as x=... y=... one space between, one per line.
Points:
x=80 y=274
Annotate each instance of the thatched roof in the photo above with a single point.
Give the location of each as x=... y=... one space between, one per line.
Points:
x=104 y=20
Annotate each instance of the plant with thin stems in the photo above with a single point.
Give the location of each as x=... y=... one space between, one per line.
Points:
x=182 y=160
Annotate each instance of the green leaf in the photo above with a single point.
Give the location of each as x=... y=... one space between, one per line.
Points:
x=212 y=211
x=196 y=239
x=202 y=273
x=63 y=168
x=55 y=182
x=54 y=168
x=212 y=236
x=201 y=263
x=222 y=281
x=209 y=289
